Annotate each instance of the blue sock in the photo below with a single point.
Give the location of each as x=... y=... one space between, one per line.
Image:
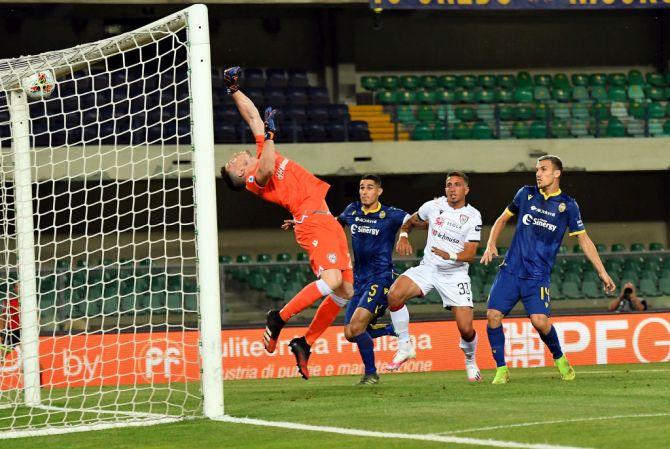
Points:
x=379 y=330
x=551 y=340
x=366 y=348
x=497 y=342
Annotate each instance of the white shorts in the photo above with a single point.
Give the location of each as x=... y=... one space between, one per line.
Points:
x=454 y=288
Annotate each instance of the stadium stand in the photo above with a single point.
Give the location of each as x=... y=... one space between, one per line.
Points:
x=521 y=106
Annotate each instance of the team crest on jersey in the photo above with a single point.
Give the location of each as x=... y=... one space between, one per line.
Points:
x=382 y=214
x=530 y=197
x=250 y=180
x=561 y=207
x=464 y=219
x=315 y=243
x=332 y=257
x=439 y=221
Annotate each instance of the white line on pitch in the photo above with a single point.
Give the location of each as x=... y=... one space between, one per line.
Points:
x=558 y=421
x=404 y=436
x=626 y=371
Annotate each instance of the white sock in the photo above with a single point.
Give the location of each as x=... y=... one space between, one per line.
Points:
x=469 y=347
x=400 y=320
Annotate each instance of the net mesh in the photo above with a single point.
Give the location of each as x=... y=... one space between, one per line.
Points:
x=114 y=234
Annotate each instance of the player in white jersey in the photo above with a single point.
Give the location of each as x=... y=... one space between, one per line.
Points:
x=454 y=230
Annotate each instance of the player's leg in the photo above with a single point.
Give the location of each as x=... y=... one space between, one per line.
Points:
x=503 y=297
x=537 y=301
x=413 y=282
x=464 y=320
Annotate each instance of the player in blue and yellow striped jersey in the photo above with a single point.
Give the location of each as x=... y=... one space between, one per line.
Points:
x=544 y=213
x=373 y=229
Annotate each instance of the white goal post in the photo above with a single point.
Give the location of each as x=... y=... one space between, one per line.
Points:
x=108 y=234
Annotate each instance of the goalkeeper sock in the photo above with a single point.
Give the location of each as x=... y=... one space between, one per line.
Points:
x=551 y=340
x=366 y=348
x=324 y=317
x=497 y=342
x=305 y=298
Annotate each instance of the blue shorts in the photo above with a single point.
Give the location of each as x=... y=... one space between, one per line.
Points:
x=370 y=296
x=507 y=289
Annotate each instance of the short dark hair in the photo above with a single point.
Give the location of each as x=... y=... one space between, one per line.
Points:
x=555 y=161
x=377 y=180
x=228 y=180
x=460 y=174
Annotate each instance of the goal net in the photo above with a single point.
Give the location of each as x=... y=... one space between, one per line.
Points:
x=108 y=233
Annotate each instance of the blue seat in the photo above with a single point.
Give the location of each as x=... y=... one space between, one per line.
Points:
x=255 y=95
x=101 y=81
x=275 y=77
x=314 y=132
x=359 y=131
x=318 y=95
x=296 y=96
x=118 y=77
x=225 y=133
x=294 y=114
x=335 y=132
x=253 y=78
x=66 y=88
x=275 y=97
x=83 y=85
x=317 y=114
x=338 y=113
x=227 y=113
x=297 y=78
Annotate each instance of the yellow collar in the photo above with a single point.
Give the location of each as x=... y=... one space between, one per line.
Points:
x=376 y=209
x=546 y=197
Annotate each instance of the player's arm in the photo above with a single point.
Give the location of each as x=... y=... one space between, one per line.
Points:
x=467 y=255
x=245 y=106
x=266 y=163
x=591 y=253
x=403 y=247
x=497 y=229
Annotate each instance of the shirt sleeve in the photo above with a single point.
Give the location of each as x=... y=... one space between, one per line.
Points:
x=475 y=231
x=575 y=224
x=424 y=211
x=515 y=205
x=251 y=184
x=342 y=218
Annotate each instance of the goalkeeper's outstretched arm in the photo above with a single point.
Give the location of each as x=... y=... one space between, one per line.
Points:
x=244 y=105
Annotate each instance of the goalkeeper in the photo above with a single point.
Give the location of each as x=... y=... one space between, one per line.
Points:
x=279 y=180
x=10 y=325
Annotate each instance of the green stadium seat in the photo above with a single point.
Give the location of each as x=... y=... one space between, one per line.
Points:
x=579 y=79
x=504 y=95
x=601 y=111
x=654 y=93
x=466 y=114
x=635 y=78
x=409 y=82
x=635 y=92
x=445 y=112
x=389 y=82
x=302 y=257
x=561 y=94
x=523 y=79
x=370 y=83
x=462 y=131
x=655 y=79
x=445 y=96
x=655 y=246
x=616 y=93
x=559 y=129
x=580 y=128
x=591 y=289
x=561 y=81
x=428 y=82
x=647 y=287
x=486 y=81
x=591 y=276
x=407 y=97
x=666 y=128
x=597 y=79
x=664 y=285
x=465 y=95
x=562 y=249
x=481 y=131
x=618 y=109
x=467 y=82
x=637 y=110
x=577 y=249
x=257 y=280
x=275 y=291
x=485 y=112
x=447 y=82
x=580 y=93
x=505 y=113
x=485 y=96
x=524 y=112
x=570 y=290
x=599 y=93
x=637 y=247
x=175 y=301
x=405 y=114
x=542 y=80
x=422 y=131
x=601 y=247
x=580 y=111
x=656 y=110
x=387 y=96
x=426 y=113
x=617 y=79
x=506 y=81
x=541 y=93
x=538 y=130
x=441 y=132
x=561 y=111
x=523 y=95
x=521 y=130
x=263 y=258
x=225 y=259
x=615 y=128
x=426 y=97
x=542 y=111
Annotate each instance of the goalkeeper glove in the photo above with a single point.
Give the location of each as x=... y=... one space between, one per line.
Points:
x=231 y=79
x=270 y=128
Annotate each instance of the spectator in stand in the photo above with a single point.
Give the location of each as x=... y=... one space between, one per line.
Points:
x=628 y=301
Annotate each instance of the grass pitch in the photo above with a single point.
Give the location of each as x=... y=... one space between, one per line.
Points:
x=616 y=406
